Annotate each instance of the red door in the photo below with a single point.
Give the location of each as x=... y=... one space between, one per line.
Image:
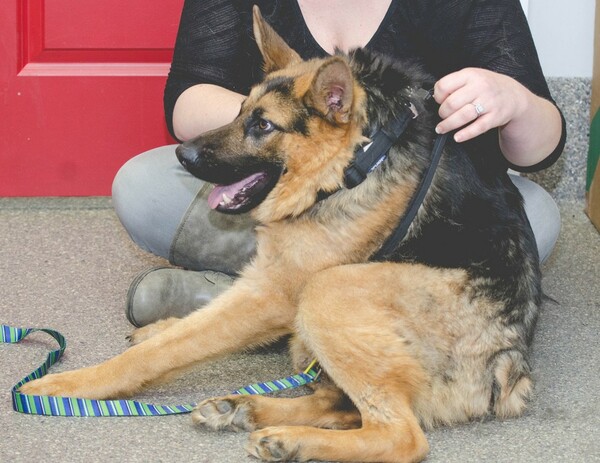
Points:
x=81 y=85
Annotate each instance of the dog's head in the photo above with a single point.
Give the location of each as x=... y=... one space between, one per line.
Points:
x=293 y=137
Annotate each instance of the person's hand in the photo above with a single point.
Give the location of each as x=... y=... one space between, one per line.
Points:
x=476 y=100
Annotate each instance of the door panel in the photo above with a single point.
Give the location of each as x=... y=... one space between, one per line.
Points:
x=68 y=24
x=81 y=87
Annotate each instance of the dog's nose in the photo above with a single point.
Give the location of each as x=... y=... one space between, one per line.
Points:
x=187 y=155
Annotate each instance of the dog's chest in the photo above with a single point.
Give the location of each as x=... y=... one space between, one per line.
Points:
x=309 y=245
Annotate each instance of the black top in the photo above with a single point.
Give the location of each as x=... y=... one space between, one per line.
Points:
x=215 y=45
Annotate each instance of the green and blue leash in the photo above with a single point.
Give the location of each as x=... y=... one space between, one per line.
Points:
x=72 y=406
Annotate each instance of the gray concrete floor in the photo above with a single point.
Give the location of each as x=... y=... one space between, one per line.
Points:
x=67 y=263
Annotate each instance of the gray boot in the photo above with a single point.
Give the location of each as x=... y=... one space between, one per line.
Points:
x=207 y=239
x=164 y=292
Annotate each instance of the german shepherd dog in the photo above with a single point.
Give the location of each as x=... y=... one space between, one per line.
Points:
x=436 y=334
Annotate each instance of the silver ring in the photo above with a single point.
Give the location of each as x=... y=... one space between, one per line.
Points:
x=479 y=109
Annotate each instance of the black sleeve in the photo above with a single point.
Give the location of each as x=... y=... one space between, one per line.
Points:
x=489 y=34
x=497 y=37
x=212 y=46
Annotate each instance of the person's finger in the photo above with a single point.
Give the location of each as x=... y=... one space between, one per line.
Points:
x=476 y=128
x=465 y=115
x=448 y=85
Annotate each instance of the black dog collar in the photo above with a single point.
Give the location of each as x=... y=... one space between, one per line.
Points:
x=368 y=157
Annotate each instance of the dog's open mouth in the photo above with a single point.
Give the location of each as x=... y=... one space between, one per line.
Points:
x=243 y=195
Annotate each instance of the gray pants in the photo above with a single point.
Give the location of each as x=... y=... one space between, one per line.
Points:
x=164 y=210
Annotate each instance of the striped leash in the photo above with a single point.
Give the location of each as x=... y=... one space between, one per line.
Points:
x=71 y=406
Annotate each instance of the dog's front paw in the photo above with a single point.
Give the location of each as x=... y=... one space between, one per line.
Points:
x=79 y=383
x=274 y=444
x=61 y=384
x=233 y=413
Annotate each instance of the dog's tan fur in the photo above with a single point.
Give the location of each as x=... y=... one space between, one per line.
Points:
x=404 y=345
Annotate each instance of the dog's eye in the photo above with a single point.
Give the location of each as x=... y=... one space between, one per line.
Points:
x=265 y=126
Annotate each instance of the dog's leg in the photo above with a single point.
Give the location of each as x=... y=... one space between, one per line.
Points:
x=326 y=408
x=350 y=318
x=243 y=316
x=146 y=332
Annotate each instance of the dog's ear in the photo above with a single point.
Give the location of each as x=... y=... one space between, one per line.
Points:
x=331 y=91
x=276 y=53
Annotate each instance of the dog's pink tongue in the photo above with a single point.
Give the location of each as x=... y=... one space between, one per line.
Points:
x=216 y=195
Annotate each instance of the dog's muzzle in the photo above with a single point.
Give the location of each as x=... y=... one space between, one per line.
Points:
x=238 y=188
